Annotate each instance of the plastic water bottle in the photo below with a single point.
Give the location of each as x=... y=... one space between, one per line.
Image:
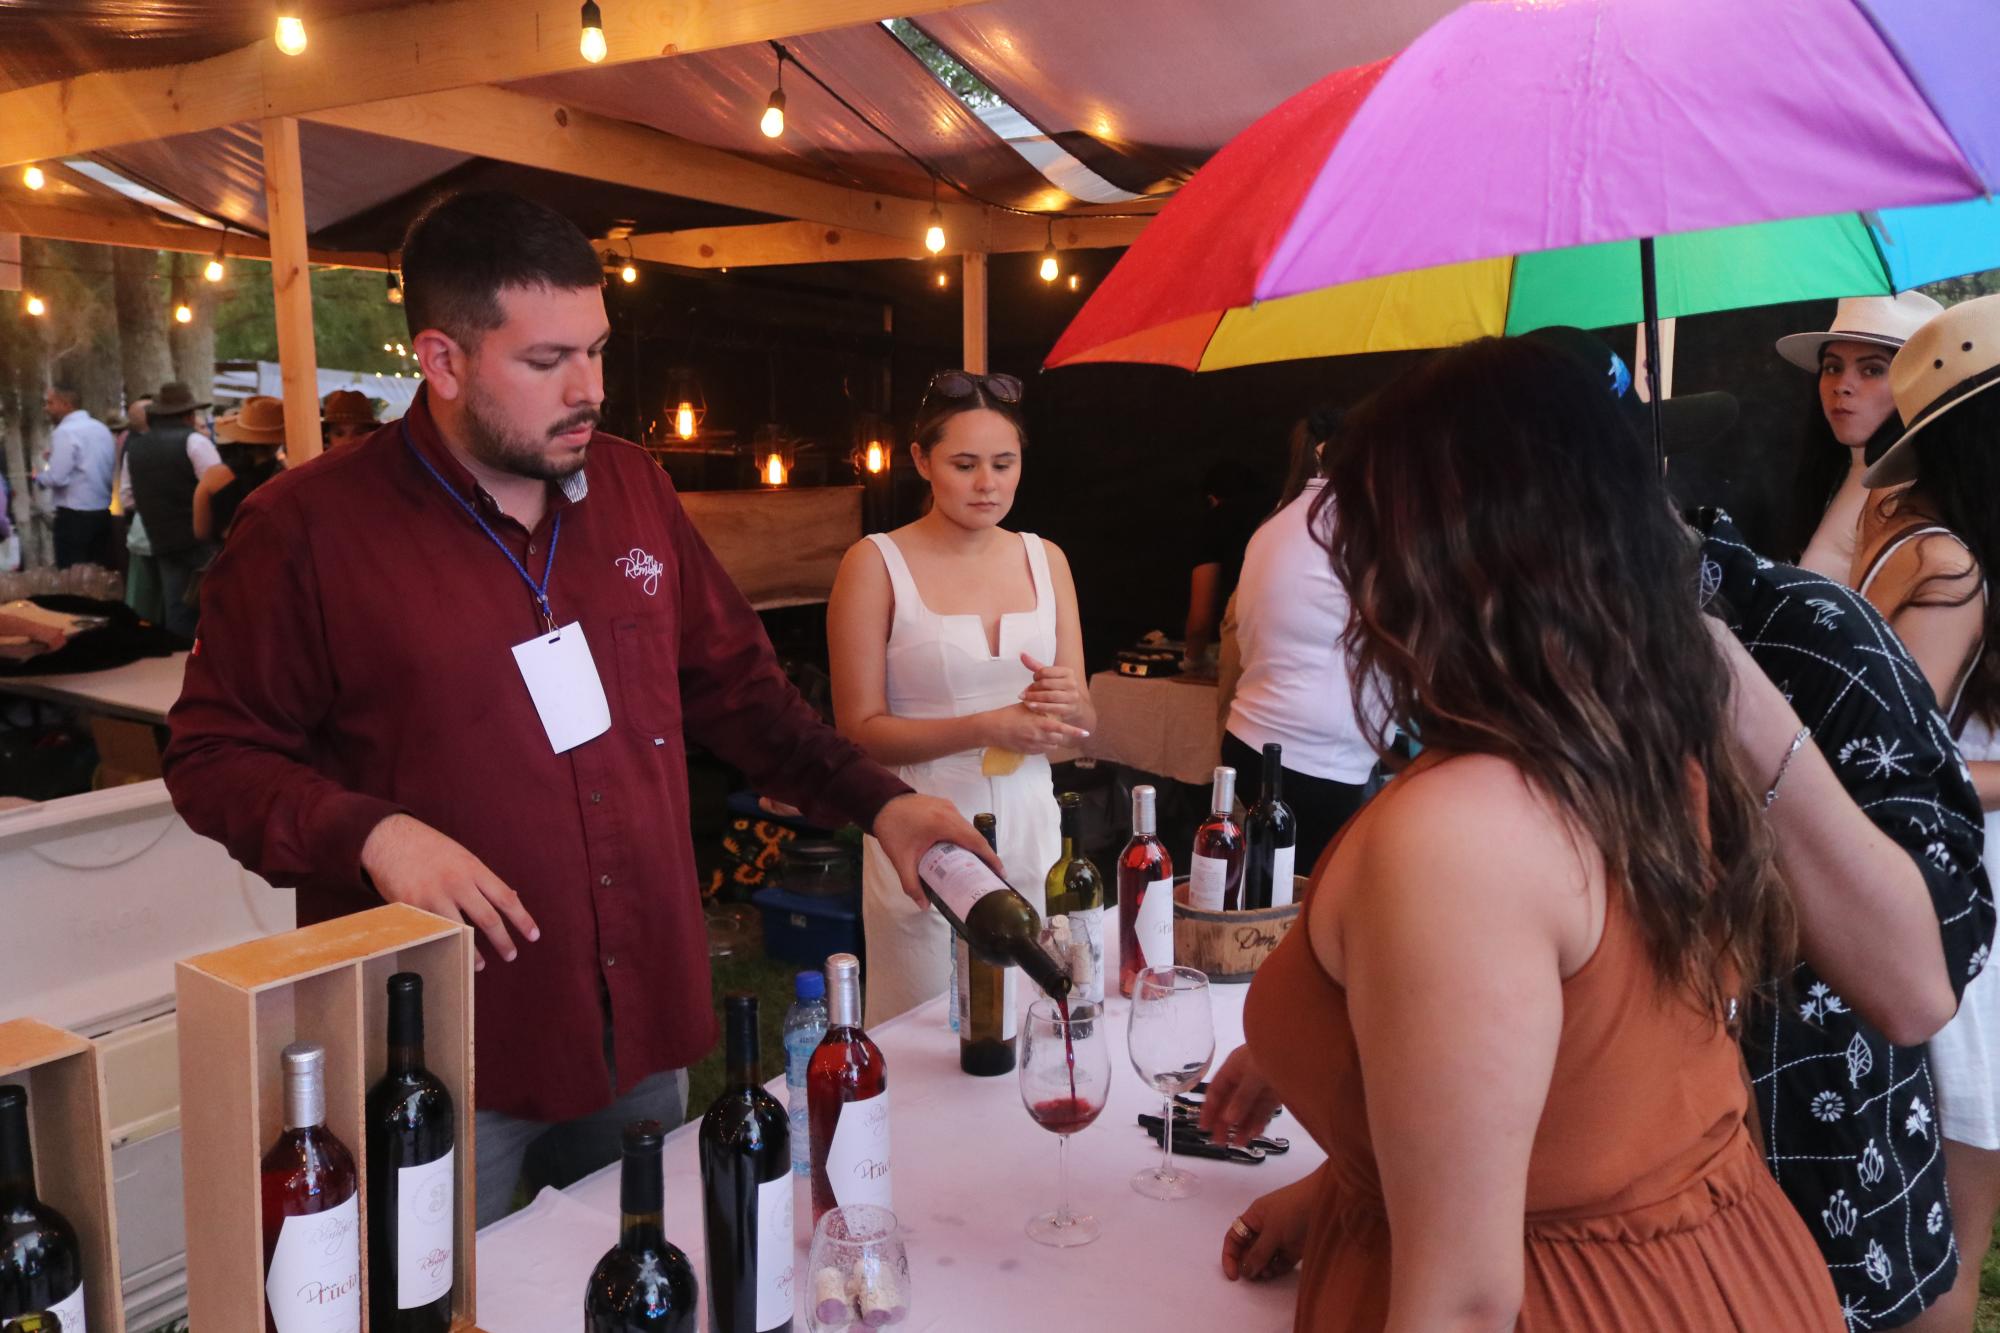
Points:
x=805 y=1024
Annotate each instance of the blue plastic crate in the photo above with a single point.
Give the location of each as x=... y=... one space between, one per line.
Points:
x=803 y=930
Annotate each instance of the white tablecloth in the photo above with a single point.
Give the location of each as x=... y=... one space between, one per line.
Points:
x=971 y=1168
x=1165 y=725
x=141 y=691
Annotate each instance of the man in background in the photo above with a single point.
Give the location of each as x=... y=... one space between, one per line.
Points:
x=78 y=479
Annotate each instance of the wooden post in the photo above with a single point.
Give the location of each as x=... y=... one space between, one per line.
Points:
x=973 y=295
x=291 y=284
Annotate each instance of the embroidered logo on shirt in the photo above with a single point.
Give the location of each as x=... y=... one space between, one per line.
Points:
x=639 y=565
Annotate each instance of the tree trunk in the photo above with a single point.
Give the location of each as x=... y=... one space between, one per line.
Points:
x=145 y=359
x=193 y=344
x=28 y=443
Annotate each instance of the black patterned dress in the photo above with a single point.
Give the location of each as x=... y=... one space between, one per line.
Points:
x=1850 y=1120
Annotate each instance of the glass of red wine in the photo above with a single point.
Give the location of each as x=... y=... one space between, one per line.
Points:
x=1065 y=1079
x=1172 y=1043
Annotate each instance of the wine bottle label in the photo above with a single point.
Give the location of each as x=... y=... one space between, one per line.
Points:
x=1086 y=955
x=1208 y=878
x=1155 y=924
x=957 y=877
x=70 y=1311
x=315 y=1281
x=423 y=1232
x=775 y=1257
x=857 y=1161
x=1281 y=875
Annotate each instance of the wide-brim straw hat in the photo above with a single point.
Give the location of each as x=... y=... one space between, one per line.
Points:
x=347 y=407
x=1949 y=360
x=260 y=420
x=1885 y=321
x=173 y=400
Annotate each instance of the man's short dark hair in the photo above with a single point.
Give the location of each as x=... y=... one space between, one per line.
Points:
x=464 y=249
x=68 y=392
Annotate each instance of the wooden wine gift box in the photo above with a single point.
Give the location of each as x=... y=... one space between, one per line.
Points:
x=240 y=1007
x=66 y=1127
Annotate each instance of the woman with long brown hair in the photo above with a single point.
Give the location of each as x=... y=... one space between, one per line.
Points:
x=1505 y=1012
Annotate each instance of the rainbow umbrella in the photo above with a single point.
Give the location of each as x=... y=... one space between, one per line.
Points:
x=1511 y=167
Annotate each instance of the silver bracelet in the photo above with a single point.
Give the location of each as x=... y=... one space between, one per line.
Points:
x=1798 y=743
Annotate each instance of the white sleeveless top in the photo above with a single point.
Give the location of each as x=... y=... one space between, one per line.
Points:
x=1965 y=1054
x=941 y=666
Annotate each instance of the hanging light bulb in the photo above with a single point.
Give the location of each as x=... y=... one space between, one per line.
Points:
x=942 y=280
x=183 y=313
x=1073 y=282
x=402 y=350
x=291 y=34
x=591 y=44
x=388 y=347
x=214 y=272
x=773 y=122
x=934 y=234
x=1050 y=268
x=684 y=420
x=876 y=458
x=32 y=177
x=629 y=273
x=395 y=288
x=35 y=306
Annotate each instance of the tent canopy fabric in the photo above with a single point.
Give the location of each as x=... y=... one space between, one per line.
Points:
x=1141 y=103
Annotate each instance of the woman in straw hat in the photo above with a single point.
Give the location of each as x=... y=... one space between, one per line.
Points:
x=1925 y=570
x=1851 y=359
x=248 y=440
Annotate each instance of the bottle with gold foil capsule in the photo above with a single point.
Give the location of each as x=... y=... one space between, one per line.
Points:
x=987 y=996
x=1075 y=892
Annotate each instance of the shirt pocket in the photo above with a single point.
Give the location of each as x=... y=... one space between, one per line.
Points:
x=647 y=650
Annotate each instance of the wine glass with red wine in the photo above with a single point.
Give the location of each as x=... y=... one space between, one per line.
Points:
x=1065 y=1079
x=1172 y=1042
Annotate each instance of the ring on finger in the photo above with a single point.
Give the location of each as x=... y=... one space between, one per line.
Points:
x=1242 y=1231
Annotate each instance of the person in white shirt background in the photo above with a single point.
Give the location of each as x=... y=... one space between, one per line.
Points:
x=78 y=479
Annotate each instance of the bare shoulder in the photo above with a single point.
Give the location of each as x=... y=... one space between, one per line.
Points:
x=862 y=566
x=1474 y=832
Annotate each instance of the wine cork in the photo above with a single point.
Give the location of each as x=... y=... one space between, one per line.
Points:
x=881 y=1295
x=832 y=1307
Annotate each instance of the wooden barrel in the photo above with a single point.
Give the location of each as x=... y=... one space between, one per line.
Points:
x=1230 y=946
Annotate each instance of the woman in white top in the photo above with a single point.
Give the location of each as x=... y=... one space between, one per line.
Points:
x=1925 y=570
x=1852 y=362
x=958 y=661
x=1293 y=687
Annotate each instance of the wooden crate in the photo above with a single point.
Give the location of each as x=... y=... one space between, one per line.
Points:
x=66 y=1125
x=239 y=1008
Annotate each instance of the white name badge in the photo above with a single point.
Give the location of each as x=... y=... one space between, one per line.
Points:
x=562 y=680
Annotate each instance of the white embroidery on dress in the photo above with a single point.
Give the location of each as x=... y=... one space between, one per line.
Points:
x=1871 y=1166
x=1934 y=1219
x=1839 y=1215
x=1881 y=756
x=639 y=565
x=1860 y=1060
x=1824 y=612
x=1828 y=1106
x=1820 y=1001
x=1876 y=1263
x=1918 y=1122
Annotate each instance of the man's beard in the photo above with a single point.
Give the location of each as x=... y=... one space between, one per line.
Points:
x=494 y=443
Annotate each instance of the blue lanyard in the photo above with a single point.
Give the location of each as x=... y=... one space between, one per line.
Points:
x=540 y=590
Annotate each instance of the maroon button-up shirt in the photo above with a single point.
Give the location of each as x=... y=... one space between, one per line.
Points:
x=355 y=661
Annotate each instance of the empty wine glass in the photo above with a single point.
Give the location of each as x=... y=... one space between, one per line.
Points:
x=1172 y=1041
x=858 y=1275
x=1065 y=1080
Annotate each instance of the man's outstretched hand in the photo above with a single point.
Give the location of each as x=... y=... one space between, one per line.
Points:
x=908 y=825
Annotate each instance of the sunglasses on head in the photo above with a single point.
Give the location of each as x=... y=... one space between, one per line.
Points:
x=956 y=384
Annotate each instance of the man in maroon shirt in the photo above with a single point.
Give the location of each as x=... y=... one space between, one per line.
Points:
x=408 y=652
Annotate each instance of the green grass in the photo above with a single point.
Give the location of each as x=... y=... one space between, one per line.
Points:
x=1988 y=1318
x=745 y=970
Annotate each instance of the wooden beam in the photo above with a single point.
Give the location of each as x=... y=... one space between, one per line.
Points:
x=815 y=243
x=532 y=131
x=972 y=296
x=385 y=53
x=291 y=281
x=95 y=223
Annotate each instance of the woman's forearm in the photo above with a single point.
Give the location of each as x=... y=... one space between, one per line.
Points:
x=892 y=740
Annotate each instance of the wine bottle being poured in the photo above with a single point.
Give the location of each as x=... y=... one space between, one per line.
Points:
x=998 y=923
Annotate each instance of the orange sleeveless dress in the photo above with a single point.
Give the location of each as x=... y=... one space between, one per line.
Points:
x=1648 y=1207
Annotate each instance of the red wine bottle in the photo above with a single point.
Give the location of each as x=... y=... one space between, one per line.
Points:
x=1075 y=893
x=41 y=1265
x=746 y=1189
x=643 y=1284
x=847 y=1101
x=312 y=1211
x=998 y=924
x=1270 y=836
x=1215 y=873
x=1145 y=896
x=986 y=997
x=412 y=1187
